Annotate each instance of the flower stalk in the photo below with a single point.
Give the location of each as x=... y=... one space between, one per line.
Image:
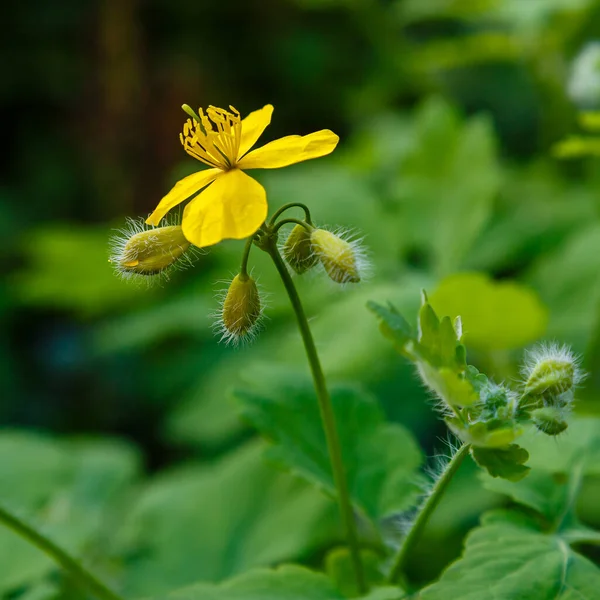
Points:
x=397 y=572
x=79 y=574
x=327 y=414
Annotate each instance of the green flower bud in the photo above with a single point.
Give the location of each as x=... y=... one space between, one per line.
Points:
x=241 y=308
x=142 y=251
x=298 y=251
x=550 y=372
x=549 y=420
x=340 y=257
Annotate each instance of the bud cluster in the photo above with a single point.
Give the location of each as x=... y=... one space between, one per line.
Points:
x=342 y=257
x=550 y=376
x=144 y=252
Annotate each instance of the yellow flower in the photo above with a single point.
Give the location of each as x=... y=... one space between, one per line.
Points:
x=235 y=204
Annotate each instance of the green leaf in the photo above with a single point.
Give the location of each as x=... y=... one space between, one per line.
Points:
x=503 y=462
x=439 y=342
x=392 y=324
x=208 y=523
x=577 y=146
x=509 y=558
x=557 y=467
x=495 y=316
x=438 y=353
x=578 y=445
x=284 y=583
x=567 y=283
x=380 y=462
x=548 y=493
x=442 y=209
x=340 y=568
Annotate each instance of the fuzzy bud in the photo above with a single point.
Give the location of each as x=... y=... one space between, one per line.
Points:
x=241 y=307
x=139 y=251
x=549 y=420
x=550 y=372
x=338 y=256
x=298 y=251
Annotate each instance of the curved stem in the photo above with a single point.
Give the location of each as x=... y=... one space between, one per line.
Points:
x=285 y=207
x=80 y=575
x=283 y=222
x=425 y=512
x=245 y=255
x=327 y=416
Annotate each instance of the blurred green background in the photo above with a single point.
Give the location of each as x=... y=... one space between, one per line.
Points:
x=447 y=110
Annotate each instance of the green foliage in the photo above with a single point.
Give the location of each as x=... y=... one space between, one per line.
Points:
x=68 y=268
x=488 y=416
x=70 y=490
x=508 y=556
x=339 y=567
x=495 y=315
x=505 y=462
x=380 y=458
x=186 y=526
x=429 y=189
x=285 y=583
x=557 y=472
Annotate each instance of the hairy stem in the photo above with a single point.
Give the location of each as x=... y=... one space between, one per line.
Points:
x=427 y=508
x=327 y=417
x=80 y=575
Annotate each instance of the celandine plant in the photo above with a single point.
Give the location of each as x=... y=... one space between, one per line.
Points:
x=228 y=204
x=488 y=419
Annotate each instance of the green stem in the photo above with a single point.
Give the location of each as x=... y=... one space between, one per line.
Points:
x=285 y=207
x=84 y=578
x=327 y=416
x=245 y=256
x=289 y=221
x=425 y=512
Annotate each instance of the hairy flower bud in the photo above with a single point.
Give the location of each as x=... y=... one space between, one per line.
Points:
x=549 y=420
x=142 y=251
x=339 y=257
x=298 y=251
x=241 y=308
x=550 y=372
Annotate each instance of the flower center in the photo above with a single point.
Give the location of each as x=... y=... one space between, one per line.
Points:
x=215 y=140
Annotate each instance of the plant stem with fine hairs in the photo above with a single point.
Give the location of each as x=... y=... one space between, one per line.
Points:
x=327 y=417
x=425 y=512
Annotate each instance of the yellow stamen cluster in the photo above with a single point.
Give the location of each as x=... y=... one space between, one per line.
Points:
x=215 y=140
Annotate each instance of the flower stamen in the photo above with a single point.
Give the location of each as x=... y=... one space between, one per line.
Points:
x=215 y=139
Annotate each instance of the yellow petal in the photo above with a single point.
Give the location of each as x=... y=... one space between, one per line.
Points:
x=182 y=191
x=290 y=150
x=234 y=206
x=253 y=126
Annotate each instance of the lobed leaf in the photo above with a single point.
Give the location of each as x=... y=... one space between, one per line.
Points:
x=381 y=459
x=505 y=462
x=509 y=558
